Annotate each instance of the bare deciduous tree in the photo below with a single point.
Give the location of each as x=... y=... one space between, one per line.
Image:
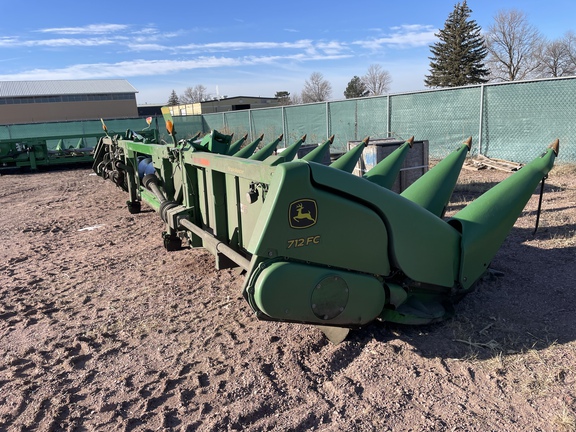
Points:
x=316 y=89
x=377 y=80
x=195 y=94
x=569 y=40
x=296 y=99
x=513 y=45
x=555 y=59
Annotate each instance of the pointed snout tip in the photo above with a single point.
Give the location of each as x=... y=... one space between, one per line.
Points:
x=555 y=146
x=366 y=140
x=468 y=143
x=410 y=141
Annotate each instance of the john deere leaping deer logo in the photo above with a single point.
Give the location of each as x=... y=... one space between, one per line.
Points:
x=303 y=213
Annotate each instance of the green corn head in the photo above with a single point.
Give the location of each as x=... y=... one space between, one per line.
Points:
x=319 y=245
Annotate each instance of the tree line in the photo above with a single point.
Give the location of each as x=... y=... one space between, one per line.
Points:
x=511 y=49
x=375 y=82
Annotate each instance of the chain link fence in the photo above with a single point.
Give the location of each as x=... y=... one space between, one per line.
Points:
x=519 y=118
x=513 y=121
x=89 y=129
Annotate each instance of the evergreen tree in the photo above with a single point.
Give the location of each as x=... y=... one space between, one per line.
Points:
x=283 y=97
x=458 y=58
x=173 y=99
x=356 y=88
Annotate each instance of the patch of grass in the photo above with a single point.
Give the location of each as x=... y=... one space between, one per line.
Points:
x=566 y=238
x=535 y=373
x=565 y=420
x=563 y=170
x=472 y=188
x=488 y=334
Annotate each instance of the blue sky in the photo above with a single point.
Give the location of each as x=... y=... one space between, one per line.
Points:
x=247 y=48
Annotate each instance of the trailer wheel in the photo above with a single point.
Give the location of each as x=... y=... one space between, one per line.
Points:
x=134 y=206
x=172 y=242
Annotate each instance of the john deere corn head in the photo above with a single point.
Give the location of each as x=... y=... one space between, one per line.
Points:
x=69 y=149
x=319 y=245
x=34 y=152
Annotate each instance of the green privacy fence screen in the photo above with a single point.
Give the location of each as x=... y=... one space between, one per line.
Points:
x=513 y=121
x=76 y=129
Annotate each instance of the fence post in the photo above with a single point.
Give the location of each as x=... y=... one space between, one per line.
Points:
x=250 y=125
x=388 y=116
x=284 y=127
x=327 y=120
x=355 y=119
x=481 y=119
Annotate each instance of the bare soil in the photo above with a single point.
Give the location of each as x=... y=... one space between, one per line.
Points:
x=102 y=329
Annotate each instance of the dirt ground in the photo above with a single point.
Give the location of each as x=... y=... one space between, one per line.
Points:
x=102 y=329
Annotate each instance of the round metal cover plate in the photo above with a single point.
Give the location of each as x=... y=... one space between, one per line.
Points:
x=329 y=297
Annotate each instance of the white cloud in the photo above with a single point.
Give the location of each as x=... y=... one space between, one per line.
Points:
x=60 y=42
x=148 y=30
x=141 y=67
x=89 y=29
x=148 y=36
x=148 y=47
x=66 y=42
x=333 y=47
x=404 y=36
x=135 y=42
x=412 y=27
x=8 y=41
x=235 y=46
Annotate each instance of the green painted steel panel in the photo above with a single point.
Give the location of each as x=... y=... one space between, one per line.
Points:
x=486 y=221
x=301 y=221
x=312 y=294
